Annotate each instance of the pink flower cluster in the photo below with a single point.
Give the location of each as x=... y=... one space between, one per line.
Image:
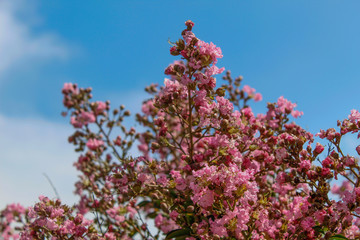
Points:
x=50 y=218
x=209 y=167
x=13 y=214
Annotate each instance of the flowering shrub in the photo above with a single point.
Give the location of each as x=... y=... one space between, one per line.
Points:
x=209 y=168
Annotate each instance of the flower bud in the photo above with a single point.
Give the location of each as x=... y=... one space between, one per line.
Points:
x=174 y=51
x=155 y=146
x=144 y=227
x=184 y=54
x=169 y=70
x=164 y=207
x=194 y=227
x=190 y=24
x=190 y=209
x=180 y=44
x=194 y=41
x=220 y=92
x=179 y=69
x=319 y=148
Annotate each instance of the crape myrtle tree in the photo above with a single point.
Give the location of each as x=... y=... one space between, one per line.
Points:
x=209 y=168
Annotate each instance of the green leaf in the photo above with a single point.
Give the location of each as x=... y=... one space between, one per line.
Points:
x=319 y=229
x=173 y=207
x=178 y=234
x=173 y=194
x=338 y=237
x=157 y=203
x=144 y=203
x=152 y=215
x=190 y=218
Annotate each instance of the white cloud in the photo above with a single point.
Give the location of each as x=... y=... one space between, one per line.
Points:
x=29 y=148
x=19 y=43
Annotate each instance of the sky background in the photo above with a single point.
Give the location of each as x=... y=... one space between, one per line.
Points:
x=307 y=51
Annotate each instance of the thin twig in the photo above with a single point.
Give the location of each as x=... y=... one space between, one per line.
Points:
x=142 y=221
x=97 y=217
x=52 y=185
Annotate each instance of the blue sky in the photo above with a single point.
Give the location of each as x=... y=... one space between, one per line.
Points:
x=307 y=51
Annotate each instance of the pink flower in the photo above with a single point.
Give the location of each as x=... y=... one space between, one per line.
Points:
x=346 y=186
x=68 y=227
x=158 y=220
x=173 y=215
x=306 y=164
x=296 y=113
x=319 y=148
x=213 y=70
x=76 y=123
x=132 y=211
x=185 y=80
x=82 y=119
x=209 y=49
x=114 y=213
x=327 y=162
x=117 y=141
x=170 y=70
x=162 y=180
x=308 y=223
x=207 y=199
x=70 y=88
x=110 y=236
x=100 y=107
x=281 y=154
x=94 y=144
x=319 y=215
x=358 y=149
x=285 y=105
x=219 y=229
x=12 y=210
x=354 y=116
x=225 y=106
x=325 y=172
x=86 y=117
x=173 y=50
x=349 y=197
x=349 y=161
x=51 y=224
x=258 y=97
x=57 y=212
x=143 y=177
x=180 y=182
x=148 y=107
x=357 y=192
x=188 y=36
x=165 y=225
x=247 y=89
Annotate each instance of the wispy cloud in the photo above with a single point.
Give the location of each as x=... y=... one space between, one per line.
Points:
x=29 y=148
x=18 y=41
